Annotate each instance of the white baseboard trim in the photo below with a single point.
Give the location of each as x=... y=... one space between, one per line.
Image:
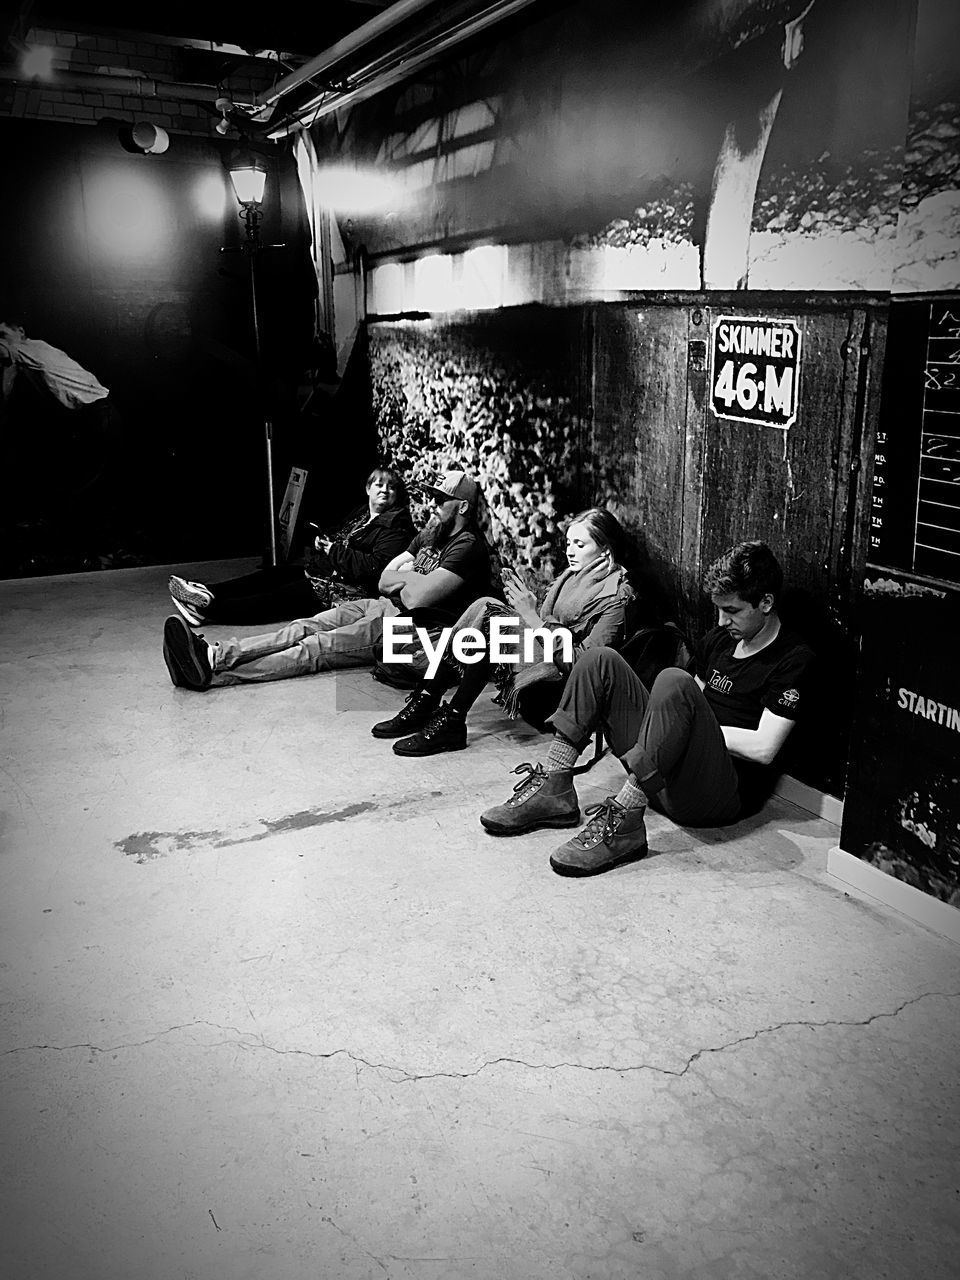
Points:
x=873 y=882
x=809 y=798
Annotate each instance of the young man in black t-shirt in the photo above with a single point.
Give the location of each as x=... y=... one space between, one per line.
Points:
x=698 y=748
x=445 y=568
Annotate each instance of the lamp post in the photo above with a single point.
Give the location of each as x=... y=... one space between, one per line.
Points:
x=248 y=176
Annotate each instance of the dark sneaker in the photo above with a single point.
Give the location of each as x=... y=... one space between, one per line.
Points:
x=446 y=730
x=173 y=671
x=539 y=800
x=613 y=836
x=414 y=714
x=185 y=655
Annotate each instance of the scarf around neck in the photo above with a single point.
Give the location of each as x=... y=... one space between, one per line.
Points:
x=572 y=597
x=568 y=603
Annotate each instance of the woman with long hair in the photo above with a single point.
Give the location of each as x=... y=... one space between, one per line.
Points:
x=593 y=598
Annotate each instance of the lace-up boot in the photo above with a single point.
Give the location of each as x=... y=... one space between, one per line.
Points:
x=414 y=714
x=446 y=730
x=539 y=800
x=614 y=835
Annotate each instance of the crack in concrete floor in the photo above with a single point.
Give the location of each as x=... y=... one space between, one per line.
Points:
x=250 y=1041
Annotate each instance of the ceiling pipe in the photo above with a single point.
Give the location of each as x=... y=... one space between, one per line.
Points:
x=705 y=31
x=135 y=86
x=317 y=107
x=351 y=43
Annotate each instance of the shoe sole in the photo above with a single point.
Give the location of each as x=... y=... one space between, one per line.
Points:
x=172 y=669
x=178 y=642
x=459 y=746
x=188 y=615
x=568 y=869
x=186 y=595
x=495 y=830
x=405 y=732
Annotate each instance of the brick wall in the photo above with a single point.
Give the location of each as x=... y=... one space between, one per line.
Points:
x=154 y=67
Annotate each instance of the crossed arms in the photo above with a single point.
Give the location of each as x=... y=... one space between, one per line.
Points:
x=415 y=590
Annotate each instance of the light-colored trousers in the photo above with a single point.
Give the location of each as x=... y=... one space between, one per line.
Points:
x=351 y=635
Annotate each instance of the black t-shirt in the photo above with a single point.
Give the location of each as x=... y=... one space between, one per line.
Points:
x=466 y=555
x=738 y=689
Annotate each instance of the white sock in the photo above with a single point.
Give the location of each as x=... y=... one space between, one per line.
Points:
x=631 y=796
x=561 y=756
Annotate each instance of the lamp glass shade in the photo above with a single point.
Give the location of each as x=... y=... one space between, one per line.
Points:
x=248 y=183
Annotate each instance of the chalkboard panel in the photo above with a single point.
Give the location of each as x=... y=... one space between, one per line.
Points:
x=915 y=503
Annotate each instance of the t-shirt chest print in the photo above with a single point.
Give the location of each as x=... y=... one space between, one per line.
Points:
x=739 y=688
x=719 y=683
x=426 y=560
x=736 y=688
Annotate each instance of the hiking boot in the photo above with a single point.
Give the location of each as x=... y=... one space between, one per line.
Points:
x=185 y=655
x=414 y=714
x=446 y=730
x=539 y=800
x=613 y=836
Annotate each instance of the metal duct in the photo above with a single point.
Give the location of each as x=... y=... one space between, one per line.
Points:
x=323 y=104
x=136 y=86
x=352 y=43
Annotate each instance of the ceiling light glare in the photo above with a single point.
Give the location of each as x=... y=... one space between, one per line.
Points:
x=344 y=189
x=38 y=62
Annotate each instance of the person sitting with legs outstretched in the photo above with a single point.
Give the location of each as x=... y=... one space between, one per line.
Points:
x=446 y=566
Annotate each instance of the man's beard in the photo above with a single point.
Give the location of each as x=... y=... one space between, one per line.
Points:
x=443 y=533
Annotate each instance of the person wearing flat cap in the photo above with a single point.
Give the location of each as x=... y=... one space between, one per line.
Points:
x=445 y=568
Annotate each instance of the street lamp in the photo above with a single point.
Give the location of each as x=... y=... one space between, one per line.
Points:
x=249 y=179
x=249 y=176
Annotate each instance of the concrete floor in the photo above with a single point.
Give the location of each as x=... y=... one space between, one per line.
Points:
x=276 y=1007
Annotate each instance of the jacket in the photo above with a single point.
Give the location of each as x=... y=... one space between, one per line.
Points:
x=361 y=551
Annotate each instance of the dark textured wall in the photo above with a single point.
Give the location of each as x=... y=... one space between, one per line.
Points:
x=499 y=395
x=554 y=410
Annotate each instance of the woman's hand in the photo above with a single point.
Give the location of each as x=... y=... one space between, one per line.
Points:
x=520 y=598
x=322 y=544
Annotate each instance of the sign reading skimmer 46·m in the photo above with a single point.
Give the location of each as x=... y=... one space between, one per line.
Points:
x=755 y=370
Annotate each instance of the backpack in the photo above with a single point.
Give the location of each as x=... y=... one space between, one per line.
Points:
x=648 y=651
x=651 y=650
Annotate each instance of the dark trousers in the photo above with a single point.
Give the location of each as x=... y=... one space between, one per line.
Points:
x=668 y=738
x=274 y=594
x=535 y=703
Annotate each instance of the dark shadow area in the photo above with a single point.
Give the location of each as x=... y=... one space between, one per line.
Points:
x=115 y=259
x=816 y=751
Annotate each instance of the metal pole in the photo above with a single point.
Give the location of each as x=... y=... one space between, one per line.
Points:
x=253 y=246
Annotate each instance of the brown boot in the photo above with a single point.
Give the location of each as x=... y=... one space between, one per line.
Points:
x=539 y=800
x=614 y=835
